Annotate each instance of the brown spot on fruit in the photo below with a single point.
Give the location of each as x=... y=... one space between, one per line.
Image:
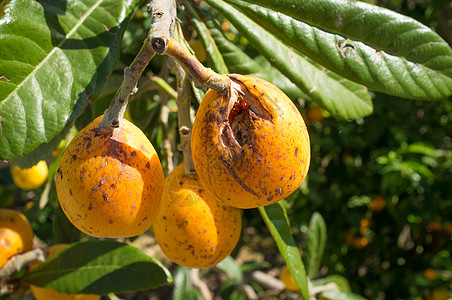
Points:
x=94 y=178
x=194 y=229
x=241 y=142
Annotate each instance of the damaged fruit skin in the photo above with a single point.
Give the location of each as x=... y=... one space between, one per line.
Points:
x=110 y=182
x=250 y=151
x=195 y=229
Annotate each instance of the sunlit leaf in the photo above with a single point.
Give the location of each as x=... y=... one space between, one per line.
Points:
x=55 y=57
x=99 y=267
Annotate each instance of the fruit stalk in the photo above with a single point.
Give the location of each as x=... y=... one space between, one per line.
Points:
x=21 y=260
x=163 y=13
x=203 y=77
x=113 y=115
x=184 y=120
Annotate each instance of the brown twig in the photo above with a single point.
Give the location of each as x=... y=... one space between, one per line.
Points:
x=203 y=77
x=163 y=14
x=184 y=120
x=17 y=262
x=113 y=115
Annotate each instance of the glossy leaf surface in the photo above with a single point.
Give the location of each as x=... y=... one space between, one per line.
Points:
x=99 y=267
x=341 y=97
x=275 y=217
x=374 y=46
x=55 y=57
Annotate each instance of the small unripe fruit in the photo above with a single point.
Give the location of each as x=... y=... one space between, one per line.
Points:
x=30 y=178
x=16 y=235
x=110 y=182
x=250 y=144
x=193 y=228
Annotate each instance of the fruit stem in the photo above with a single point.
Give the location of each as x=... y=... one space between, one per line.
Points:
x=202 y=77
x=19 y=261
x=113 y=115
x=184 y=120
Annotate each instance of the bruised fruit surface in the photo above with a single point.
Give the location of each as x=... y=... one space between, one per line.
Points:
x=193 y=228
x=250 y=145
x=30 y=178
x=16 y=235
x=110 y=182
x=41 y=293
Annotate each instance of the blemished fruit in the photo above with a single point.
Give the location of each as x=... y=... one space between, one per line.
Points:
x=110 y=182
x=250 y=144
x=30 y=178
x=41 y=293
x=287 y=278
x=16 y=235
x=194 y=229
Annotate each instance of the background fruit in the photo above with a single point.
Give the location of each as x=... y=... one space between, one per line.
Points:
x=287 y=278
x=109 y=182
x=31 y=178
x=194 y=229
x=41 y=293
x=253 y=149
x=16 y=235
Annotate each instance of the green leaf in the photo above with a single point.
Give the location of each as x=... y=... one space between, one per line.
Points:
x=239 y=62
x=316 y=244
x=230 y=267
x=374 y=46
x=275 y=217
x=340 y=281
x=339 y=295
x=339 y=96
x=99 y=267
x=71 y=48
x=183 y=286
x=214 y=58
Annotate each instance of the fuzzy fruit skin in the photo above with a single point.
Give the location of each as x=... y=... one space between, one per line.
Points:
x=31 y=178
x=110 y=182
x=41 y=293
x=16 y=235
x=263 y=172
x=194 y=229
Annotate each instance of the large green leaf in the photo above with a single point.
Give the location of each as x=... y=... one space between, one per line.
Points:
x=239 y=62
x=99 y=267
x=55 y=57
x=341 y=97
x=384 y=50
x=275 y=217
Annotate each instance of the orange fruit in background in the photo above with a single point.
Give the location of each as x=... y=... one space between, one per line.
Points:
x=287 y=278
x=41 y=293
x=16 y=235
x=378 y=203
x=110 y=182
x=435 y=226
x=250 y=144
x=30 y=178
x=429 y=274
x=315 y=114
x=194 y=229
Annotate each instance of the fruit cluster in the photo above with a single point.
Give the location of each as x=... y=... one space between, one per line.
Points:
x=250 y=148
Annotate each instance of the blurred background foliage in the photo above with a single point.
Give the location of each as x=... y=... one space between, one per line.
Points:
x=381 y=183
